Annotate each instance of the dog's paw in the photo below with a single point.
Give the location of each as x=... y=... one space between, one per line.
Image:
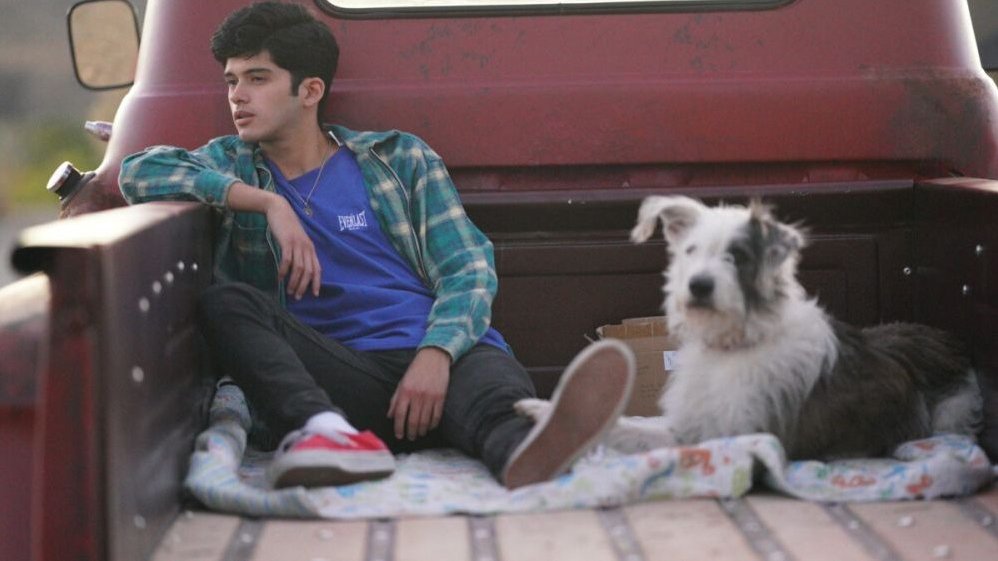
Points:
x=632 y=435
x=533 y=408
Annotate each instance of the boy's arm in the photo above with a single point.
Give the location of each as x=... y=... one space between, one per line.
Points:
x=167 y=173
x=459 y=261
x=299 y=263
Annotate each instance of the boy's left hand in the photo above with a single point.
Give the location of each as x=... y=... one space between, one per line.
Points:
x=418 y=403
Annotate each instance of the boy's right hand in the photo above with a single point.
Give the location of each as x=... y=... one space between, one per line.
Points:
x=299 y=263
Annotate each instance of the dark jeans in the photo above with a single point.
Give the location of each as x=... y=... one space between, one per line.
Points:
x=290 y=372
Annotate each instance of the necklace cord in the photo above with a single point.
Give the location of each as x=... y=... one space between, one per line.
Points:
x=306 y=201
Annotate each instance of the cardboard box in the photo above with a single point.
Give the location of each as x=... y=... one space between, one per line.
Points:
x=655 y=353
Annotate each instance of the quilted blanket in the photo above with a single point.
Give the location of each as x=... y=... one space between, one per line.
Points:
x=226 y=476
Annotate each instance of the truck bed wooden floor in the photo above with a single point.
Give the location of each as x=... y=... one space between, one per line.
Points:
x=758 y=527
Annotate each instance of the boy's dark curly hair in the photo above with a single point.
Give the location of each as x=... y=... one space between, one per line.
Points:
x=296 y=41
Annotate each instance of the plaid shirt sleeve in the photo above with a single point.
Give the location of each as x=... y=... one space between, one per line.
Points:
x=165 y=173
x=458 y=259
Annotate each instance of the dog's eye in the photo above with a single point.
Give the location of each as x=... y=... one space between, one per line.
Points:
x=737 y=255
x=690 y=249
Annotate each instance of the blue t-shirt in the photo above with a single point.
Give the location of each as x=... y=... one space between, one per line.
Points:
x=370 y=298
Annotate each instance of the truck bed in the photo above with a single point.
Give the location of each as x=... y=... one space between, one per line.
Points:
x=759 y=526
x=112 y=405
x=130 y=404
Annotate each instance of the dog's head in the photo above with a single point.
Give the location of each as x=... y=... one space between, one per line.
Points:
x=731 y=268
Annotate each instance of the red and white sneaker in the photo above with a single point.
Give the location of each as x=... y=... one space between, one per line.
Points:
x=310 y=459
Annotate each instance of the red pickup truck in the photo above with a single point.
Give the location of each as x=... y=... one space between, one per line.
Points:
x=872 y=122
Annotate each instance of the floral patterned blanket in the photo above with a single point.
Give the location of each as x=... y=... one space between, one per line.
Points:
x=226 y=476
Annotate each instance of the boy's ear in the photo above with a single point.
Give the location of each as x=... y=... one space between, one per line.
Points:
x=311 y=90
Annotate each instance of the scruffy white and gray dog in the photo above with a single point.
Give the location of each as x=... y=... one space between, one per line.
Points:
x=757 y=355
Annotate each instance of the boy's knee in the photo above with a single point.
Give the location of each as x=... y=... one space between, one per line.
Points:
x=215 y=300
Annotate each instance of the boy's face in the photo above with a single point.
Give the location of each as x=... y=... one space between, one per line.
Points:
x=260 y=99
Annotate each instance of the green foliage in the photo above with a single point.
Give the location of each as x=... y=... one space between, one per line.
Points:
x=42 y=147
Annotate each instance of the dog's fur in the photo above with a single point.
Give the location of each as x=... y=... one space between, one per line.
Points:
x=757 y=355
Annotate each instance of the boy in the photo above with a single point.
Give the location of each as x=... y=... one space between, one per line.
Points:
x=352 y=290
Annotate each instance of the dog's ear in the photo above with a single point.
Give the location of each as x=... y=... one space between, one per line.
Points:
x=678 y=215
x=781 y=240
x=788 y=241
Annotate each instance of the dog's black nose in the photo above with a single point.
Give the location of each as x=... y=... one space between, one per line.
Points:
x=701 y=287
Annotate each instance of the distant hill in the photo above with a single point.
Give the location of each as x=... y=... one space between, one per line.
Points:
x=36 y=75
x=985 y=16
x=40 y=94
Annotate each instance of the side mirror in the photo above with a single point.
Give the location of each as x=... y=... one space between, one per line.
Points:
x=104 y=43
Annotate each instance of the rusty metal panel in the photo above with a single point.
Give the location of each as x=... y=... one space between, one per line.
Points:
x=67 y=520
x=123 y=391
x=841 y=85
x=24 y=307
x=154 y=380
x=957 y=280
x=851 y=81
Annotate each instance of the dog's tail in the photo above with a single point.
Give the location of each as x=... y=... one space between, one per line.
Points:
x=940 y=368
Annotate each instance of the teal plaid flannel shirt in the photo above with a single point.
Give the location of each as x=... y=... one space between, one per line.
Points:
x=410 y=191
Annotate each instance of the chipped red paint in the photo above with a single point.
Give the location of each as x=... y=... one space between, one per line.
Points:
x=23 y=329
x=16 y=447
x=67 y=506
x=46 y=360
x=21 y=348
x=841 y=85
x=85 y=419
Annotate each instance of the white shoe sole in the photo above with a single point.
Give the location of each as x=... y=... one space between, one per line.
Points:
x=590 y=396
x=320 y=468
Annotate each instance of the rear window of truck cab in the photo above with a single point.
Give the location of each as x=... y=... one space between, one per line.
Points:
x=383 y=8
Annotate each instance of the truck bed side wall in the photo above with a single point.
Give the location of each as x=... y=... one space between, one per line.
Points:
x=123 y=388
x=24 y=315
x=957 y=280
